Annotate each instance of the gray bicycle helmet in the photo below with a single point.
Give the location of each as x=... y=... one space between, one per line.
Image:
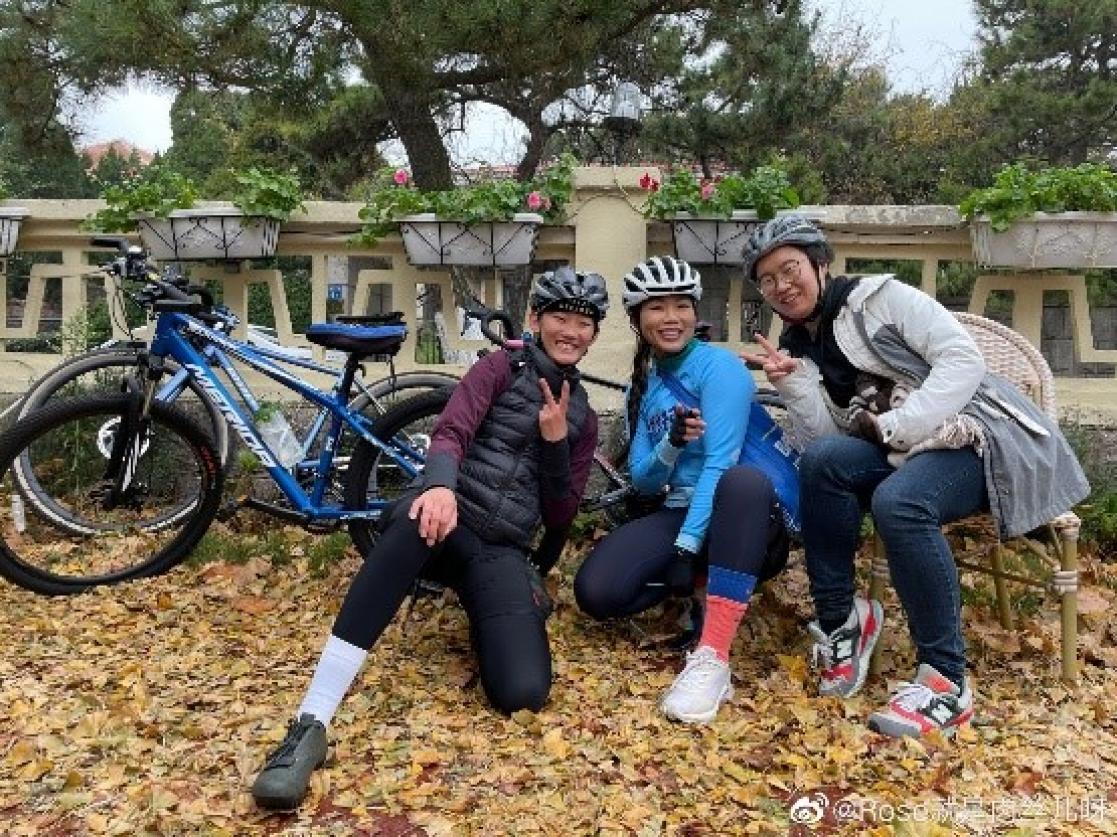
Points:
x=660 y=276
x=566 y=289
x=786 y=230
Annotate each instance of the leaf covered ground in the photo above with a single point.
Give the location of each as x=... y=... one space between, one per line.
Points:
x=148 y=708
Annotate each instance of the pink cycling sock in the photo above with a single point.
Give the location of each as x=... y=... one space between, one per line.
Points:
x=723 y=617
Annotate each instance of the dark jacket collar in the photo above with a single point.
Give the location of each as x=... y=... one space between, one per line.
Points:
x=551 y=371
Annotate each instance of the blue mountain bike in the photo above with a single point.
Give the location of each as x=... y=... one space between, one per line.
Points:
x=125 y=484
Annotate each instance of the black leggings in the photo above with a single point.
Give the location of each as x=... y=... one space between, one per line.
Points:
x=507 y=627
x=745 y=534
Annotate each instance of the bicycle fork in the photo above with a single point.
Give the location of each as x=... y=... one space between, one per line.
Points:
x=130 y=438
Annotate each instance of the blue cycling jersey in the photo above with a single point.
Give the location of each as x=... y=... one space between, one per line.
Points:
x=724 y=389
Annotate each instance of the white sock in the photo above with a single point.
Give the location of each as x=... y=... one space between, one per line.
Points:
x=337 y=667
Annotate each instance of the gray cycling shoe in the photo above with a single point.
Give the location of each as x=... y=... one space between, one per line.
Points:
x=283 y=782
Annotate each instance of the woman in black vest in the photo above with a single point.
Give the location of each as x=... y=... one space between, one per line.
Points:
x=512 y=448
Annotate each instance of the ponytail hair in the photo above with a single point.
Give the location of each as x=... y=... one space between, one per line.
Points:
x=641 y=366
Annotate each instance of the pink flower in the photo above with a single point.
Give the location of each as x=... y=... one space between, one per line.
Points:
x=401 y=177
x=534 y=201
x=708 y=190
x=646 y=181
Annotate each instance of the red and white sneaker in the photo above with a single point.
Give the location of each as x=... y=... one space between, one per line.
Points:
x=844 y=655
x=932 y=702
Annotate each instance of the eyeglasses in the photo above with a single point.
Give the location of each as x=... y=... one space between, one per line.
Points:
x=787 y=273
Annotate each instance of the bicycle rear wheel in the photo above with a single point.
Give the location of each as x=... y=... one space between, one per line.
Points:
x=104 y=511
x=375 y=475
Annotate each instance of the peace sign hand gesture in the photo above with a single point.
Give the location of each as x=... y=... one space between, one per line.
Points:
x=776 y=364
x=552 y=415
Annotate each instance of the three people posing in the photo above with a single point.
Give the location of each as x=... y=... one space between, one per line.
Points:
x=888 y=398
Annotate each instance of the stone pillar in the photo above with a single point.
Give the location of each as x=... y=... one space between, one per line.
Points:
x=610 y=237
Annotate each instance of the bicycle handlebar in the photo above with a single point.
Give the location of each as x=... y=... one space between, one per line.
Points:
x=477 y=311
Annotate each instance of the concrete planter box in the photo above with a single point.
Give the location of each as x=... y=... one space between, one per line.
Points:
x=430 y=240
x=1049 y=240
x=207 y=234
x=11 y=218
x=718 y=240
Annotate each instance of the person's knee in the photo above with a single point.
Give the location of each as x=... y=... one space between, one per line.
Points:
x=895 y=509
x=817 y=460
x=594 y=599
x=523 y=687
x=742 y=485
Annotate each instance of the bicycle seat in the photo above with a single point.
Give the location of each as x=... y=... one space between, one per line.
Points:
x=360 y=340
x=394 y=318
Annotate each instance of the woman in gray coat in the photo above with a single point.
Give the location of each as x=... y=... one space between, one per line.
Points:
x=890 y=401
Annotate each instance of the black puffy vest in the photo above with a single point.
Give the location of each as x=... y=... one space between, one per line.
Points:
x=498 y=481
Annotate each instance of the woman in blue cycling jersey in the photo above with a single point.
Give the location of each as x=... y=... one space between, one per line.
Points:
x=687 y=413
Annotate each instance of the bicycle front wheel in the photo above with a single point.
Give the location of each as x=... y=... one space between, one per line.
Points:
x=100 y=371
x=376 y=475
x=105 y=510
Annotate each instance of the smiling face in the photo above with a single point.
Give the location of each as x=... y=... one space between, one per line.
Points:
x=667 y=323
x=564 y=336
x=789 y=282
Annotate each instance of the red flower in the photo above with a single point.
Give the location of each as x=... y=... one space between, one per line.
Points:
x=646 y=181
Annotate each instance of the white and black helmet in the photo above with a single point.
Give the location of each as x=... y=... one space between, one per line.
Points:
x=660 y=276
x=566 y=289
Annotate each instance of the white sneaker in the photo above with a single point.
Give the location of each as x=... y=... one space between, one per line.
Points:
x=700 y=688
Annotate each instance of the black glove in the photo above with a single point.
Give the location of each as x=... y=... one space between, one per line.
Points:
x=539 y=595
x=677 y=436
x=679 y=580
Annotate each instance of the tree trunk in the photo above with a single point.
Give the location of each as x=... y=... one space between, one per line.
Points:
x=517 y=289
x=533 y=153
x=411 y=115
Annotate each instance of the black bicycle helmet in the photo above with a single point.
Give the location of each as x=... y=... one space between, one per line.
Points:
x=660 y=276
x=793 y=230
x=566 y=289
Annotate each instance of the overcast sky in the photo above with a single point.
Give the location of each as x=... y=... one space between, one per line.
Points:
x=922 y=42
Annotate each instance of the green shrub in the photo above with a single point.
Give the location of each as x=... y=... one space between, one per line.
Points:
x=394 y=196
x=766 y=190
x=1019 y=191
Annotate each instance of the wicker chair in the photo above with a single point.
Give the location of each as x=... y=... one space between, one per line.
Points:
x=1011 y=356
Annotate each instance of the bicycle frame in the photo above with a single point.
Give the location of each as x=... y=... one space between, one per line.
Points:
x=174 y=386
x=173 y=334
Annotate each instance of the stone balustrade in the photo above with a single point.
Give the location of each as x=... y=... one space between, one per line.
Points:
x=604 y=232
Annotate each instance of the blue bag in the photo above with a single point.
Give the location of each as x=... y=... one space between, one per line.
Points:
x=764 y=448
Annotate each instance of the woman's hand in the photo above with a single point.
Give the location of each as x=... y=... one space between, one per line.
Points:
x=436 y=509
x=777 y=365
x=552 y=415
x=686 y=426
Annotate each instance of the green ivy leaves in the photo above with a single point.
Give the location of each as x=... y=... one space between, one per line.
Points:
x=1018 y=192
x=766 y=190
x=158 y=191
x=394 y=196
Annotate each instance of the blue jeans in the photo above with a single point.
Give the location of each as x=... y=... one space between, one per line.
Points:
x=840 y=477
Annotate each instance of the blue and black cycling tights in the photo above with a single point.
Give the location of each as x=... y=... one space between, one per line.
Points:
x=624 y=573
x=493 y=582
